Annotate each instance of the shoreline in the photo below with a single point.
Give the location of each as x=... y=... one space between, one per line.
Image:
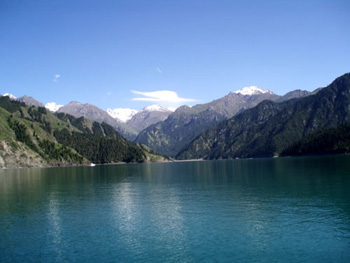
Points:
x=76 y=165
x=170 y=161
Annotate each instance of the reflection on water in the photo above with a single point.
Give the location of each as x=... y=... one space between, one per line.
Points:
x=53 y=215
x=263 y=210
x=143 y=213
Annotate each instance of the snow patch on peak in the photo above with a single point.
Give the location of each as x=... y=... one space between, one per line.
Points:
x=155 y=108
x=172 y=109
x=11 y=96
x=53 y=106
x=252 y=90
x=122 y=114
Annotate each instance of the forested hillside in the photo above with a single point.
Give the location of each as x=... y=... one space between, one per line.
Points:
x=33 y=136
x=327 y=141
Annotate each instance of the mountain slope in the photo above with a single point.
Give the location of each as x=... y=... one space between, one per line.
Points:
x=94 y=113
x=270 y=127
x=148 y=116
x=31 y=136
x=325 y=141
x=26 y=140
x=185 y=124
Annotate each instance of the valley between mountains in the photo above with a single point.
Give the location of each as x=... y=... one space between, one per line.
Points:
x=247 y=123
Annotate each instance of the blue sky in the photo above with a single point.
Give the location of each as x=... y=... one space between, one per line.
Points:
x=116 y=53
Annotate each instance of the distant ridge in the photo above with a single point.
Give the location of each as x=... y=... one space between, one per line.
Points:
x=269 y=128
x=148 y=116
x=186 y=123
x=30 y=101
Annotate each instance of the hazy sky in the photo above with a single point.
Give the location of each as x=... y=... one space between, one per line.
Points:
x=136 y=53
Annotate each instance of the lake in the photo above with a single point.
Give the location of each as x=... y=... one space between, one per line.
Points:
x=257 y=210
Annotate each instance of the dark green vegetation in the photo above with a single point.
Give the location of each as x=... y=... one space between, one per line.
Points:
x=270 y=128
x=33 y=136
x=326 y=141
x=100 y=148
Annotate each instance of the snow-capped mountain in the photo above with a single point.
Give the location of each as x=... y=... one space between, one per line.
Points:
x=53 y=106
x=252 y=90
x=126 y=114
x=11 y=96
x=148 y=116
x=171 y=109
x=122 y=114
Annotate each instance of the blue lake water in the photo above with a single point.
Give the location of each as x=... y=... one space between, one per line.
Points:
x=259 y=210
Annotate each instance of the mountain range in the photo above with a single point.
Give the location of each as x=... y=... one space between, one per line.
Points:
x=137 y=125
x=250 y=122
x=272 y=128
x=186 y=123
x=128 y=122
x=94 y=113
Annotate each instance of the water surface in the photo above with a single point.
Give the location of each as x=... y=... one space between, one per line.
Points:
x=260 y=210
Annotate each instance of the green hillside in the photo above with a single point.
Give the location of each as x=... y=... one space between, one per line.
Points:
x=33 y=136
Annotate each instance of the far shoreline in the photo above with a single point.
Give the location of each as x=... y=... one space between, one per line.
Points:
x=170 y=161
